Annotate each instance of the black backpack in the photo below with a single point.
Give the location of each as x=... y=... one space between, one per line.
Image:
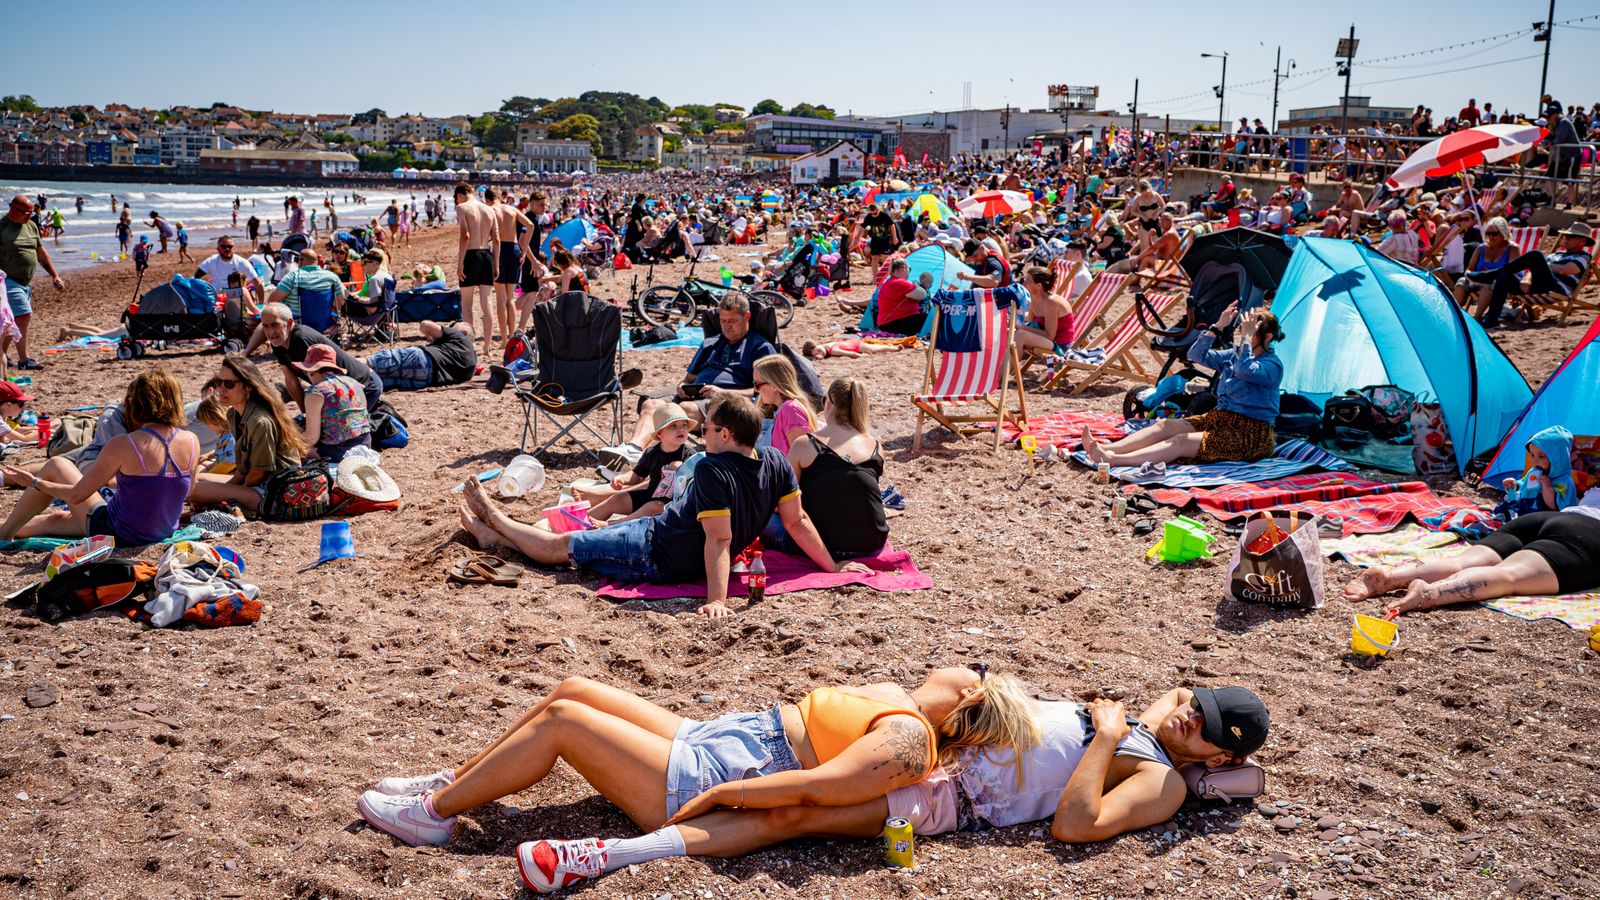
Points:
x=1299 y=415
x=1349 y=410
x=298 y=493
x=95 y=585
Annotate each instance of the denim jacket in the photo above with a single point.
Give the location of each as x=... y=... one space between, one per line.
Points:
x=1246 y=384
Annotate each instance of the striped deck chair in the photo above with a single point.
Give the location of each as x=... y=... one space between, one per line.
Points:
x=1064 y=272
x=1536 y=304
x=1527 y=239
x=1433 y=258
x=1167 y=275
x=1088 y=311
x=972 y=378
x=1120 y=340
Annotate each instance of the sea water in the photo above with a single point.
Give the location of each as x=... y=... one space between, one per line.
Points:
x=205 y=210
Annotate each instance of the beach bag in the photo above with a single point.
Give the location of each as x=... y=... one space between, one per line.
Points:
x=77 y=553
x=1391 y=409
x=1241 y=781
x=655 y=334
x=1349 y=410
x=298 y=494
x=1298 y=415
x=96 y=585
x=390 y=431
x=1287 y=575
x=1431 y=449
x=72 y=431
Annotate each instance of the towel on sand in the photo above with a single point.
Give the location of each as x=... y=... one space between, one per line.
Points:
x=688 y=336
x=893 y=570
x=1064 y=428
x=1357 y=505
x=1290 y=457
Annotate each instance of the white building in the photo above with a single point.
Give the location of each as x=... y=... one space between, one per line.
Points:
x=841 y=163
x=556 y=155
x=994 y=131
x=182 y=146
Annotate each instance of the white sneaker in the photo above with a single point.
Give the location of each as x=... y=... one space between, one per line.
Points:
x=622 y=456
x=549 y=866
x=405 y=818
x=609 y=474
x=417 y=784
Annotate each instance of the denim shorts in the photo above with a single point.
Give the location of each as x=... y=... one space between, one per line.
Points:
x=20 y=296
x=617 y=551
x=731 y=748
x=402 y=368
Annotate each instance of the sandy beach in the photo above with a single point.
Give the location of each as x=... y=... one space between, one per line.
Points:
x=227 y=763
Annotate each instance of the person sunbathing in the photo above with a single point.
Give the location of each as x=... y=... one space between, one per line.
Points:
x=1241 y=426
x=1096 y=773
x=838 y=747
x=851 y=348
x=1532 y=555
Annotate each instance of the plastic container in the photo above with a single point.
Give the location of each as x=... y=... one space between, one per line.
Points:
x=522 y=475
x=569 y=517
x=1182 y=539
x=1371 y=636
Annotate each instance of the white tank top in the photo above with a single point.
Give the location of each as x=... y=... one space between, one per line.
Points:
x=986 y=787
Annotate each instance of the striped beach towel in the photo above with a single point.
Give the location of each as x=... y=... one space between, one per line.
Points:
x=1357 y=505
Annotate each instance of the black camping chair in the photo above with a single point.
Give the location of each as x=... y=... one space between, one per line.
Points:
x=576 y=348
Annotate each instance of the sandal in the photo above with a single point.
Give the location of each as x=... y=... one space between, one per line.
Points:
x=486 y=569
x=1144 y=526
x=1142 y=502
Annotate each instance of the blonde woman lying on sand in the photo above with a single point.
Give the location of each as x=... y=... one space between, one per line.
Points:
x=838 y=746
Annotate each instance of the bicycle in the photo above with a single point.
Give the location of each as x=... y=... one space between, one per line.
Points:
x=677 y=305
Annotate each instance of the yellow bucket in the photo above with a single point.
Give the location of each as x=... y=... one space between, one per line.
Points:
x=1594 y=638
x=1371 y=636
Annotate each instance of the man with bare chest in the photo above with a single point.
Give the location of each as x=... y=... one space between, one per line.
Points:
x=475 y=261
x=515 y=230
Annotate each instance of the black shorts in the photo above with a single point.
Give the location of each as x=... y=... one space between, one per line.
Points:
x=909 y=326
x=1568 y=541
x=477 y=269
x=510 y=263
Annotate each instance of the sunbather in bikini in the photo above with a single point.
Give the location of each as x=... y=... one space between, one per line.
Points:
x=839 y=746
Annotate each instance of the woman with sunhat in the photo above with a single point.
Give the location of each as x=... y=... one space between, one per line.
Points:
x=337 y=419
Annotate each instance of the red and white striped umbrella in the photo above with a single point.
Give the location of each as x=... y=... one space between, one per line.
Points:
x=993 y=203
x=1461 y=150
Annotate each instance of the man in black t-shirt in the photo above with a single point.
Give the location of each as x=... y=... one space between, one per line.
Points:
x=880 y=231
x=289 y=342
x=448 y=358
x=733 y=492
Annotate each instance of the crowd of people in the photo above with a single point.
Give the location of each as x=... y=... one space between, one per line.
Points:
x=738 y=452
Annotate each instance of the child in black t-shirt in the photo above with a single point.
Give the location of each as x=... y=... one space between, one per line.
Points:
x=644 y=491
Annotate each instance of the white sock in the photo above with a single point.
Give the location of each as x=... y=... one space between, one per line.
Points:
x=658 y=844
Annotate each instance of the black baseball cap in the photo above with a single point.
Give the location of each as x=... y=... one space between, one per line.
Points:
x=1235 y=719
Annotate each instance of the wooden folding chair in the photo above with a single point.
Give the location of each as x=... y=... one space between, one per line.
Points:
x=1430 y=260
x=1089 y=309
x=967 y=378
x=1527 y=239
x=1167 y=275
x=1120 y=342
x=1565 y=306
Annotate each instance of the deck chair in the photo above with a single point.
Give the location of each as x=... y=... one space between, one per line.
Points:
x=358 y=276
x=372 y=318
x=1031 y=355
x=1527 y=239
x=576 y=347
x=971 y=378
x=1167 y=275
x=439 y=306
x=1119 y=340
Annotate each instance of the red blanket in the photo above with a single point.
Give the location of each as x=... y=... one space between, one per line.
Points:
x=1064 y=428
x=1358 y=505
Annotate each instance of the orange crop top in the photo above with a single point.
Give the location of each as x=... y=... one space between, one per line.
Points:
x=835 y=719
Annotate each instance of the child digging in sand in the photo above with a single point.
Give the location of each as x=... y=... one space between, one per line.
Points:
x=633 y=495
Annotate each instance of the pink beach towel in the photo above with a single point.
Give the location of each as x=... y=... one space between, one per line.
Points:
x=893 y=570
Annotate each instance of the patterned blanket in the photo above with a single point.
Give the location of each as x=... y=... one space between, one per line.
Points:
x=1290 y=457
x=1355 y=504
x=1064 y=428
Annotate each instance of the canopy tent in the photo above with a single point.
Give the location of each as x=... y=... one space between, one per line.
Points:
x=1354 y=317
x=1566 y=399
x=931 y=259
x=570 y=233
x=935 y=208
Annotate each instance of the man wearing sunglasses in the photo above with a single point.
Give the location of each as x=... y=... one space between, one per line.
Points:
x=21 y=254
x=1096 y=773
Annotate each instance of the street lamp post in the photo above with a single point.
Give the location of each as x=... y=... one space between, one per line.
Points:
x=1005 y=126
x=1278 y=75
x=1222 y=89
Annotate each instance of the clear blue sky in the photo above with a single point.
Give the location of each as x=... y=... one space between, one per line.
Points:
x=876 y=58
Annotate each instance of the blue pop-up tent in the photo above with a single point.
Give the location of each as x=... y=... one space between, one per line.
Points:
x=1567 y=399
x=931 y=259
x=570 y=233
x=1354 y=317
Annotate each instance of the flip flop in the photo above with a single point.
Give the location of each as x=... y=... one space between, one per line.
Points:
x=1144 y=526
x=1142 y=502
x=486 y=569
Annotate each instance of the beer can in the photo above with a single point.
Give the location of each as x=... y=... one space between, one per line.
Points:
x=898 y=844
x=1102 y=473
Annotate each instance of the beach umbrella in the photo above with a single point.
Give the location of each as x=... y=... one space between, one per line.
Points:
x=988 y=204
x=895 y=184
x=933 y=206
x=1257 y=257
x=1461 y=150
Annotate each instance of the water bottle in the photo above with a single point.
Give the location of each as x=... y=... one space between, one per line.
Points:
x=758 y=579
x=44 y=430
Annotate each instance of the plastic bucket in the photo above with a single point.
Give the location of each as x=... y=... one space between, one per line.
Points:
x=569 y=517
x=522 y=475
x=1371 y=636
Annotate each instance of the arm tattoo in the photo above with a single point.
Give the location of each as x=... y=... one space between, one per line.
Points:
x=908 y=743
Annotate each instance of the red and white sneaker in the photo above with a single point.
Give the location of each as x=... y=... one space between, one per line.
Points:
x=549 y=866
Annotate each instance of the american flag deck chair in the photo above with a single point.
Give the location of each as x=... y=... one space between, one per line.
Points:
x=972 y=379
x=1119 y=341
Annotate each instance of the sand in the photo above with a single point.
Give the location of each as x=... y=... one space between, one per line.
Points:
x=227 y=763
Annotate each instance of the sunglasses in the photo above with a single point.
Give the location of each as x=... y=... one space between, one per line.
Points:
x=981 y=668
x=227 y=383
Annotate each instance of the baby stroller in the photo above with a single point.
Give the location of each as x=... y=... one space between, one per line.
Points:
x=359 y=240
x=799 y=273
x=183 y=309
x=595 y=253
